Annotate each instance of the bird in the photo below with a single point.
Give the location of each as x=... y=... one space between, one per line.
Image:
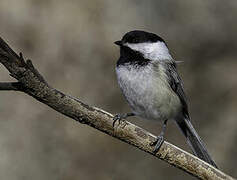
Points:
x=148 y=78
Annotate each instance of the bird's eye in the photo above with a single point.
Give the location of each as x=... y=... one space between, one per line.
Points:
x=135 y=40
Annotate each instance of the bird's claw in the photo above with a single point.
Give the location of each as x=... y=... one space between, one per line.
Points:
x=157 y=143
x=117 y=117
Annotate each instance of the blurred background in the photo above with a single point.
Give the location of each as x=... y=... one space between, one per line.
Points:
x=71 y=44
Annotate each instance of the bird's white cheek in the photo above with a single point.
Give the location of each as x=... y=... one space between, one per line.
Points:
x=154 y=51
x=144 y=48
x=148 y=50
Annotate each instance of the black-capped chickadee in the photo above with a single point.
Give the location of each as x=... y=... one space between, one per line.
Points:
x=148 y=78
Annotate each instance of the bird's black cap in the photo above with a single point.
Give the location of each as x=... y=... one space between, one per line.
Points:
x=137 y=36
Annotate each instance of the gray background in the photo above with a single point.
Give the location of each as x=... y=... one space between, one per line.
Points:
x=71 y=43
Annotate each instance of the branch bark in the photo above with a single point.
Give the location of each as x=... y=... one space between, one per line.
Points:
x=32 y=83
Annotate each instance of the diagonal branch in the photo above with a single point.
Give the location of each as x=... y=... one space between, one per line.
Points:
x=32 y=83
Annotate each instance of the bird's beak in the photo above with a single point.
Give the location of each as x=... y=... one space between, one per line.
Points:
x=119 y=43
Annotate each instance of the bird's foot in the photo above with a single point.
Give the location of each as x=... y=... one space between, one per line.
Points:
x=157 y=143
x=118 y=117
x=159 y=139
x=121 y=117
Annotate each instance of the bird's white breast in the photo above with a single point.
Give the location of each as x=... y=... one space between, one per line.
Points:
x=147 y=91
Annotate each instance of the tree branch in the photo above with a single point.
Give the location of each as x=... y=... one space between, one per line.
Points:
x=32 y=83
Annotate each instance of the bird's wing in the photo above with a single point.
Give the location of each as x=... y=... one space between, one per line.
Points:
x=176 y=85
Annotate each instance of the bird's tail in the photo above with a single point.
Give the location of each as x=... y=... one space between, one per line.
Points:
x=195 y=141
